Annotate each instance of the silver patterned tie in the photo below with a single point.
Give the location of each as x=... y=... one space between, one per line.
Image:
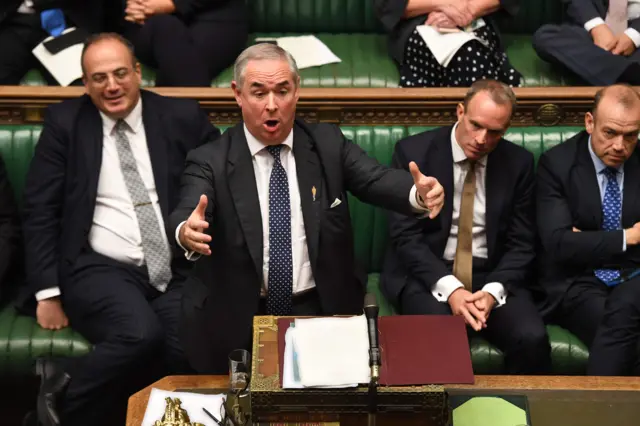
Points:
x=617 y=16
x=156 y=252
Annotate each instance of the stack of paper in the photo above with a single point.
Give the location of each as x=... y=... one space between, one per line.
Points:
x=326 y=353
x=445 y=45
x=193 y=403
x=308 y=51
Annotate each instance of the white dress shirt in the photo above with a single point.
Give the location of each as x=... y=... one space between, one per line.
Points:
x=633 y=12
x=115 y=232
x=449 y=283
x=26 y=7
x=262 y=165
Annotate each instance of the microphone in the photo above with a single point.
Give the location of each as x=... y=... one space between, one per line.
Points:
x=371 y=312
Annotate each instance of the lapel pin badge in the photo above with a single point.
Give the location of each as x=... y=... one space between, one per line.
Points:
x=313 y=192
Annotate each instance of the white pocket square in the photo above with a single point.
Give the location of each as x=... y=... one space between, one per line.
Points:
x=336 y=203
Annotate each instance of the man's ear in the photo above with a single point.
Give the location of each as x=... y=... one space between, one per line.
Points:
x=236 y=93
x=589 y=122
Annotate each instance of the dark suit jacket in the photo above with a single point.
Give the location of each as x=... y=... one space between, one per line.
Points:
x=582 y=11
x=223 y=294
x=61 y=186
x=211 y=10
x=417 y=247
x=391 y=14
x=10 y=255
x=92 y=19
x=568 y=196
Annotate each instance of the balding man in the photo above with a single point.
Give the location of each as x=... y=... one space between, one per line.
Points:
x=589 y=224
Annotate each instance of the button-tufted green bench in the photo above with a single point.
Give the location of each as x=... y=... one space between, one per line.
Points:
x=350 y=28
x=21 y=339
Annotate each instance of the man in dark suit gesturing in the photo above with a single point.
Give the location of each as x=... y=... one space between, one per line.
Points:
x=267 y=205
x=599 y=43
x=589 y=224
x=476 y=260
x=103 y=180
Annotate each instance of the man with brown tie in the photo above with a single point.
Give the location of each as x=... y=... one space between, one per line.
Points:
x=476 y=259
x=599 y=43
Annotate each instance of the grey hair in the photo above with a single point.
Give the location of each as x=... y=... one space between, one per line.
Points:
x=259 y=52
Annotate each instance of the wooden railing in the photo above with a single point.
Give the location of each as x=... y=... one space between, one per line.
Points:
x=539 y=106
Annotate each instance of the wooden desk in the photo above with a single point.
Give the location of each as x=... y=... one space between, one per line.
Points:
x=138 y=402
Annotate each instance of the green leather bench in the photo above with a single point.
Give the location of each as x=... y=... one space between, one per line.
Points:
x=21 y=339
x=351 y=29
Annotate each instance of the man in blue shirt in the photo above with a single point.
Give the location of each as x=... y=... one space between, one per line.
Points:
x=588 y=213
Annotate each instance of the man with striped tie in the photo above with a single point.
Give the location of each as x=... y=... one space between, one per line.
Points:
x=589 y=222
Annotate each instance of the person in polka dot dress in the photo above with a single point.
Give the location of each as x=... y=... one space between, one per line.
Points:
x=473 y=61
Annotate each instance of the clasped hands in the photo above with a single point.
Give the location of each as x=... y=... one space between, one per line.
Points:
x=604 y=38
x=193 y=238
x=473 y=307
x=452 y=15
x=139 y=11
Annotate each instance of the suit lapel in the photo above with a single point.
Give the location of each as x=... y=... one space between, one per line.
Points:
x=495 y=197
x=242 y=184
x=586 y=188
x=630 y=191
x=440 y=166
x=90 y=137
x=310 y=185
x=155 y=132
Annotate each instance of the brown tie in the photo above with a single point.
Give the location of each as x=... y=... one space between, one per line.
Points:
x=462 y=264
x=617 y=16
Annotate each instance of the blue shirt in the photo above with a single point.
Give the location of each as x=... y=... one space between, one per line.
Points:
x=602 y=182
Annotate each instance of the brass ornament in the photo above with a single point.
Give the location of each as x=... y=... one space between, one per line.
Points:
x=175 y=415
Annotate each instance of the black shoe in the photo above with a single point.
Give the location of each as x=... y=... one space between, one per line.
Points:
x=53 y=382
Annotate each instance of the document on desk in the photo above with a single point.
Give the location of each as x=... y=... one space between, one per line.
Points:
x=192 y=403
x=308 y=50
x=61 y=55
x=326 y=353
x=444 y=46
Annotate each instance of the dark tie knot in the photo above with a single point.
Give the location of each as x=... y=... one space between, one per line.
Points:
x=610 y=173
x=275 y=151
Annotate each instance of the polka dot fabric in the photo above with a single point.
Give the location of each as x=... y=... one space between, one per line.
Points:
x=611 y=211
x=472 y=62
x=280 y=261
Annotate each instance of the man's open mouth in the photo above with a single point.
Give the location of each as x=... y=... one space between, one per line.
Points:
x=271 y=125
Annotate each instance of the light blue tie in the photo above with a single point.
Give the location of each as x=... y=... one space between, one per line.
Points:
x=280 y=259
x=611 y=212
x=52 y=21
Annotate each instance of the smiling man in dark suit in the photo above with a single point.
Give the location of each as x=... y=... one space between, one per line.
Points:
x=589 y=224
x=267 y=206
x=476 y=260
x=103 y=180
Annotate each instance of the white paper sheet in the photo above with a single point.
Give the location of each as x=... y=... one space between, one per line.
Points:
x=65 y=65
x=307 y=50
x=192 y=402
x=445 y=45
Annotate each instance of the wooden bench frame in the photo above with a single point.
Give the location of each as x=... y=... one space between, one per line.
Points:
x=539 y=106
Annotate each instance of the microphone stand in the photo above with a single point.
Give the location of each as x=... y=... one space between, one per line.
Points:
x=373 y=396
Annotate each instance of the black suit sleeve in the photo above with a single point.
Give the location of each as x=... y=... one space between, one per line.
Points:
x=582 y=11
x=9 y=225
x=372 y=182
x=390 y=12
x=409 y=241
x=188 y=9
x=635 y=24
x=515 y=264
x=555 y=225
x=43 y=194
x=197 y=179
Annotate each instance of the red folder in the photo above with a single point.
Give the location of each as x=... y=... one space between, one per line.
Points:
x=415 y=350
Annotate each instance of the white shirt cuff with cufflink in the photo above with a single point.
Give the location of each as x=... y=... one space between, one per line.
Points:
x=416 y=205
x=633 y=35
x=449 y=283
x=592 y=23
x=188 y=254
x=47 y=293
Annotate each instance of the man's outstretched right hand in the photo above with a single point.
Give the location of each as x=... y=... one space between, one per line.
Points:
x=192 y=236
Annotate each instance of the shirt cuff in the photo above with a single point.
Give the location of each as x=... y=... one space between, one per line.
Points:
x=592 y=23
x=633 y=35
x=444 y=287
x=417 y=204
x=498 y=292
x=624 y=240
x=189 y=255
x=47 y=293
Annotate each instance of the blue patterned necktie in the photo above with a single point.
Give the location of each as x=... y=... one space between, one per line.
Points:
x=280 y=262
x=611 y=212
x=52 y=21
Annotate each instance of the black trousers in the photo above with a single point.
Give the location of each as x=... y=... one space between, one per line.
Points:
x=571 y=47
x=607 y=320
x=134 y=331
x=187 y=54
x=516 y=328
